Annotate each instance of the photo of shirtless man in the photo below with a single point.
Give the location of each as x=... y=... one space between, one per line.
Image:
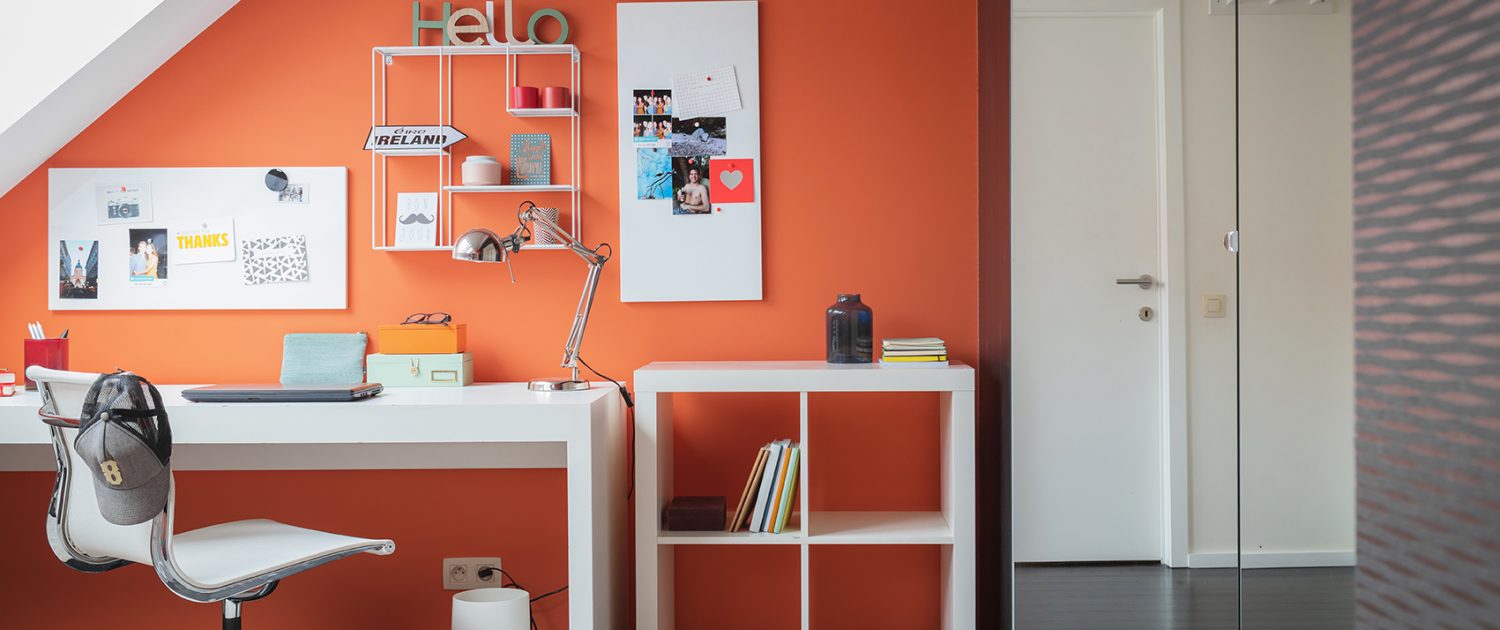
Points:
x=690 y=194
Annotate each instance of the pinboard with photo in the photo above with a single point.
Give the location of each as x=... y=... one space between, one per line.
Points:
x=197 y=238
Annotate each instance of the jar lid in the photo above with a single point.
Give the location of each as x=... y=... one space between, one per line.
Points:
x=480 y=158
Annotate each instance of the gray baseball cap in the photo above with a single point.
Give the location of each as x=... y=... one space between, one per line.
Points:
x=126 y=441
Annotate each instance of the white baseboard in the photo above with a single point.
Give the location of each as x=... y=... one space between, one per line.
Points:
x=1271 y=559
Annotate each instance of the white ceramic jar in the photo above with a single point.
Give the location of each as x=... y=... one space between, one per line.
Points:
x=481 y=170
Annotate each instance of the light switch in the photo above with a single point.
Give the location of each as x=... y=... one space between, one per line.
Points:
x=1213 y=305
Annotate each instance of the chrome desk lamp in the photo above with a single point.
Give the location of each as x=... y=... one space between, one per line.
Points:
x=485 y=246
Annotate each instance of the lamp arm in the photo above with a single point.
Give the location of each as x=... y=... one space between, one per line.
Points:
x=595 y=261
x=588 y=255
x=581 y=318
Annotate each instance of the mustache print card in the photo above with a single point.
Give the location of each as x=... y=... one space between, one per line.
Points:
x=416 y=219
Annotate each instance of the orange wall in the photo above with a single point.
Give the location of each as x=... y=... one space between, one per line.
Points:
x=869 y=185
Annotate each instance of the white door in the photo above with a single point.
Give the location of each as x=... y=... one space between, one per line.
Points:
x=1087 y=181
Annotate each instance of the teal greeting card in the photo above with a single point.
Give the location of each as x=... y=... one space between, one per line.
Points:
x=530 y=159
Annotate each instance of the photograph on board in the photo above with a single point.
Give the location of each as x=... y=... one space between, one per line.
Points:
x=699 y=136
x=690 y=185
x=123 y=203
x=293 y=193
x=649 y=129
x=653 y=173
x=78 y=270
x=652 y=102
x=148 y=257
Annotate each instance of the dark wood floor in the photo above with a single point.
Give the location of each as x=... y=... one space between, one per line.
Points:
x=1153 y=597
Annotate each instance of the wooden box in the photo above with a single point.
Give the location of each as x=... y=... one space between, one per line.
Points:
x=694 y=514
x=422 y=339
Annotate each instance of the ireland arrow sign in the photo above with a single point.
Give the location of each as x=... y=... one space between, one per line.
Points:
x=413 y=137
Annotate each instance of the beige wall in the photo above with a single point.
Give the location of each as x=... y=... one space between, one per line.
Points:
x=1297 y=290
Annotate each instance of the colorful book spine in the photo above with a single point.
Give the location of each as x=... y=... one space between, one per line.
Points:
x=776 y=491
x=767 y=484
x=790 y=489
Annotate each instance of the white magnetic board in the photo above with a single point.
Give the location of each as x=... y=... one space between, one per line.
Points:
x=667 y=257
x=196 y=238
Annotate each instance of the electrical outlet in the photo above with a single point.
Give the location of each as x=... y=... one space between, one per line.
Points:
x=490 y=579
x=461 y=574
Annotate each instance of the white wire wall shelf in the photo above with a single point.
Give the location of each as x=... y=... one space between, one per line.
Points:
x=411 y=152
x=542 y=112
x=382 y=234
x=512 y=188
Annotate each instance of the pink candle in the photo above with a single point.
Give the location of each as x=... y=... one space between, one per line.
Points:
x=524 y=97
x=555 y=98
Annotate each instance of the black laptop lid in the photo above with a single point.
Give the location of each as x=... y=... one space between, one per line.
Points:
x=273 y=392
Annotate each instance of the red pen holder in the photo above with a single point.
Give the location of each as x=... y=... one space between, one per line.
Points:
x=555 y=98
x=525 y=97
x=48 y=353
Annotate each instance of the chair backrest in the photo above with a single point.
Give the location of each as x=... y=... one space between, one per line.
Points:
x=63 y=395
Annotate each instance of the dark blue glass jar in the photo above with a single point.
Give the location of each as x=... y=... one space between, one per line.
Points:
x=851 y=331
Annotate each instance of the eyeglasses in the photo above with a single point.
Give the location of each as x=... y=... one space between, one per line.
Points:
x=428 y=318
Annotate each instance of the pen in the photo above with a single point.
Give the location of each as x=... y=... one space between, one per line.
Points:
x=65 y=334
x=40 y=334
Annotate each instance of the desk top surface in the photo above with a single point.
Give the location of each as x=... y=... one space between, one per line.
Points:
x=481 y=394
x=493 y=412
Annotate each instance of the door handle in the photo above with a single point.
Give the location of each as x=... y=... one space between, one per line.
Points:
x=1144 y=282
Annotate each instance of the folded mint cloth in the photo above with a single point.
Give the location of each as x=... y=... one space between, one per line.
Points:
x=323 y=359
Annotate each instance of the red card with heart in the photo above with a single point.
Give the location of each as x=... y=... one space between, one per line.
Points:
x=732 y=180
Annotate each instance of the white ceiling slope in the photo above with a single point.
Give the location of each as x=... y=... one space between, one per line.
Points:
x=63 y=63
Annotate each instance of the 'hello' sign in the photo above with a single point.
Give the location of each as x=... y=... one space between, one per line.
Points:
x=457 y=32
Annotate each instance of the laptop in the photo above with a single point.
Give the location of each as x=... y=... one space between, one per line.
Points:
x=282 y=393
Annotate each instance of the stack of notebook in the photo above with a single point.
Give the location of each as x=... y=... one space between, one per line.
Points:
x=766 y=503
x=918 y=351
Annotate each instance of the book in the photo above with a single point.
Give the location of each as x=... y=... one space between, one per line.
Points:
x=780 y=487
x=530 y=159
x=767 y=479
x=911 y=342
x=915 y=365
x=751 y=484
x=790 y=488
x=926 y=358
x=914 y=353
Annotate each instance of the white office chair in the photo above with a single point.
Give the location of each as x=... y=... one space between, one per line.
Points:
x=230 y=562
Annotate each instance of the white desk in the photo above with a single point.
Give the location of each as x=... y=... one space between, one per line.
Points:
x=480 y=426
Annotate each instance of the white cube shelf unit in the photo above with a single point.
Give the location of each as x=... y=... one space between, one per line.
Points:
x=951 y=528
x=381 y=237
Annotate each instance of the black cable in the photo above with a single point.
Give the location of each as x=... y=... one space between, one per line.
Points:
x=485 y=573
x=549 y=594
x=630 y=422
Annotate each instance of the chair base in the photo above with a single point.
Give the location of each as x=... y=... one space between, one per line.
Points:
x=232 y=606
x=231 y=615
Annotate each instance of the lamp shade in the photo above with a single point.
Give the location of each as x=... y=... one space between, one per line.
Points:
x=492 y=609
x=479 y=245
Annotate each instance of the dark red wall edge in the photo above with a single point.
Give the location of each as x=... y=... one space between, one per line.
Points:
x=993 y=430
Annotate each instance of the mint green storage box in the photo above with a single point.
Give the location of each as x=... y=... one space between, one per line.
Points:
x=420 y=370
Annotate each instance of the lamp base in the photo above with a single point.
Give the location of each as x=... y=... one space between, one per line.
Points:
x=557 y=385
